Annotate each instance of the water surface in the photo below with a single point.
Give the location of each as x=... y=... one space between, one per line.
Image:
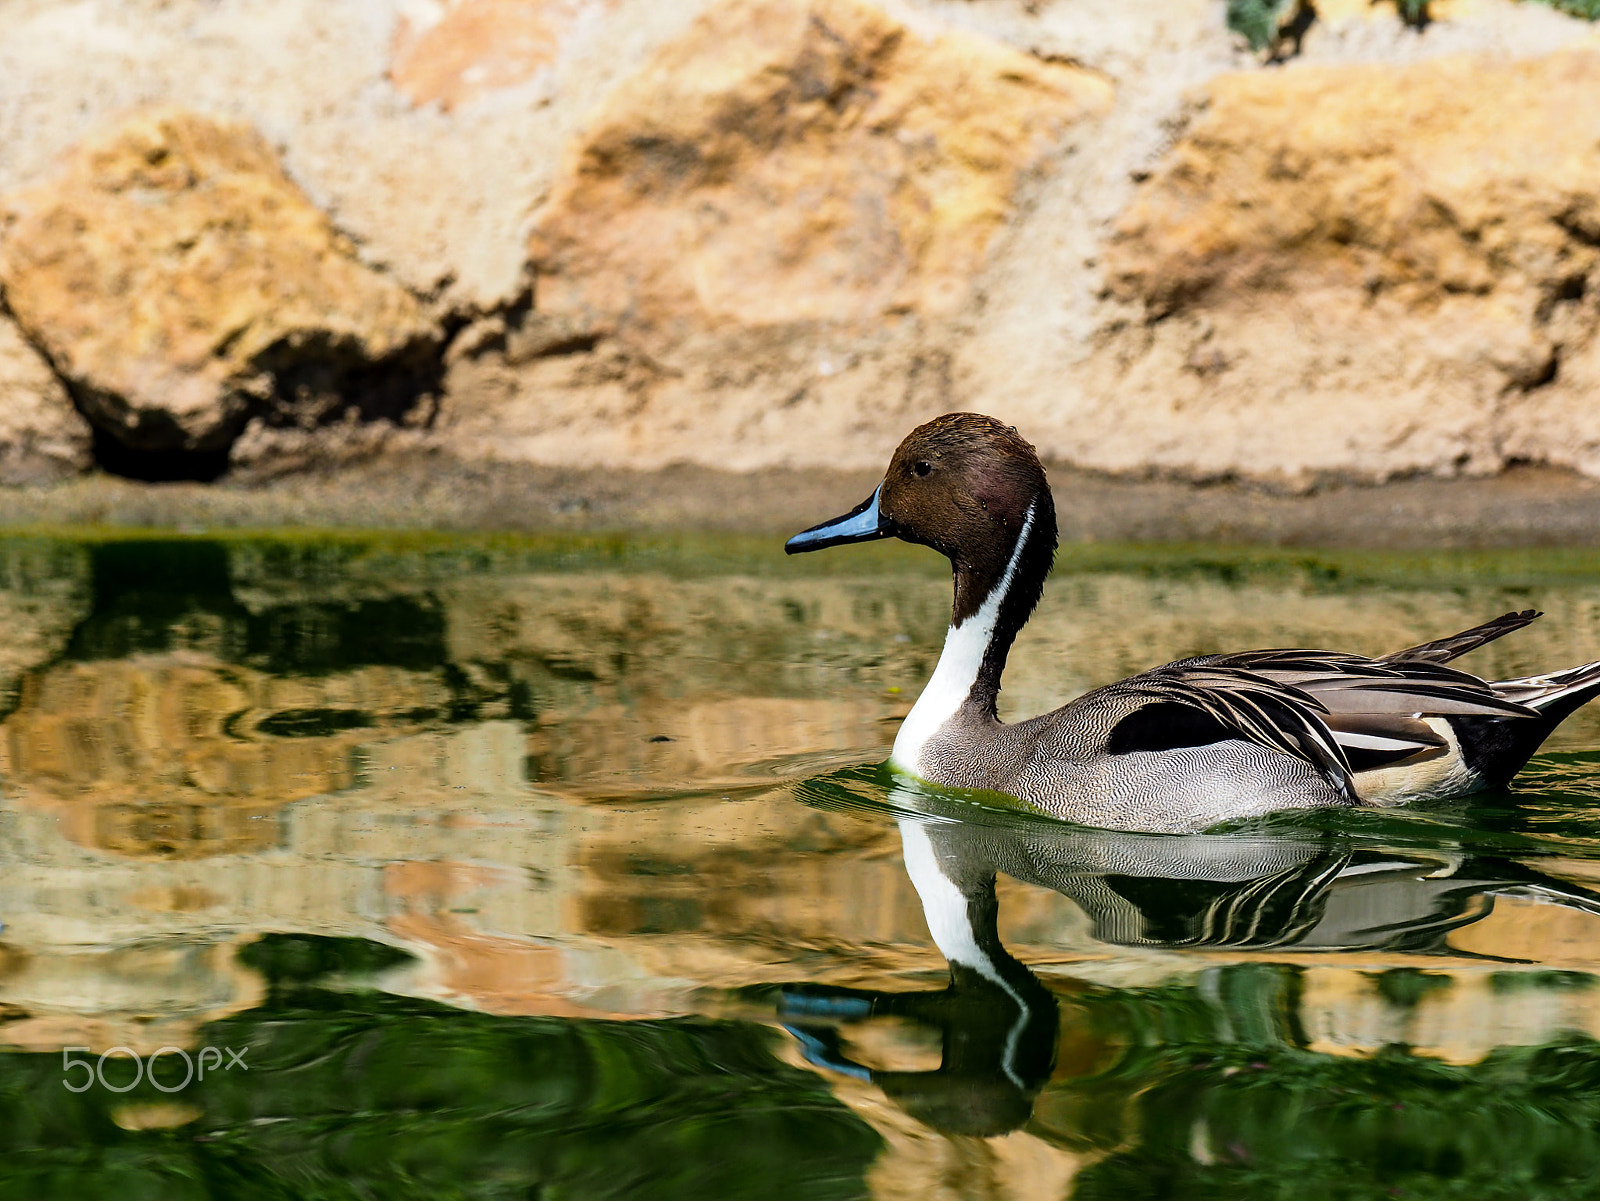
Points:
x=497 y=868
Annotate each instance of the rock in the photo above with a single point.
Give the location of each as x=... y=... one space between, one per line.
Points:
x=42 y=437
x=1364 y=271
x=478 y=46
x=798 y=160
x=181 y=283
x=1441 y=179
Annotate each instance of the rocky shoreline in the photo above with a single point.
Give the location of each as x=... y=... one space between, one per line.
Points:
x=614 y=264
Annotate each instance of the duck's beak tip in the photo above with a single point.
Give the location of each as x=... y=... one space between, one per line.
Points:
x=862 y=524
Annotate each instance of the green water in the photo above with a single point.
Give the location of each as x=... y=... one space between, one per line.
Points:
x=497 y=868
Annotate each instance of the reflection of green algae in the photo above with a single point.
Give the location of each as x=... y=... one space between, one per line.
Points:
x=1210 y=1093
x=1541 y=981
x=423 y=554
x=1405 y=987
x=303 y=958
x=1268 y=1122
x=347 y=1096
x=1206 y=1102
x=1588 y=10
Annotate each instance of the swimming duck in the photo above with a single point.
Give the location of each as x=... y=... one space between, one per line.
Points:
x=1195 y=742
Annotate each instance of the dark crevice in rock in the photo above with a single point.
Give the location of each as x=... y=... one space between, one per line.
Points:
x=304 y=389
x=1564 y=290
x=1581 y=223
x=157 y=466
x=325 y=410
x=1292 y=33
x=324 y=377
x=115 y=457
x=521 y=333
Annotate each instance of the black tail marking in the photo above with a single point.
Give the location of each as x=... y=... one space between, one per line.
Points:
x=1497 y=748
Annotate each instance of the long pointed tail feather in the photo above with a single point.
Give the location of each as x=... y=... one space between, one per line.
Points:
x=1566 y=689
x=1442 y=650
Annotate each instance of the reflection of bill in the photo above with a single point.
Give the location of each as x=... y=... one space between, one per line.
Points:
x=94 y=1070
x=996 y=1020
x=999 y=1025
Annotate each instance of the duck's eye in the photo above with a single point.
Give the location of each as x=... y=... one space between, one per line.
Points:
x=922 y=467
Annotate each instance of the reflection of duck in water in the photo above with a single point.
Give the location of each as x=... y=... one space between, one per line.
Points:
x=1195 y=742
x=999 y=1024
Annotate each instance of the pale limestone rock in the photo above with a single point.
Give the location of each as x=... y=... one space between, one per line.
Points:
x=1455 y=177
x=42 y=437
x=798 y=160
x=181 y=282
x=432 y=131
x=1362 y=271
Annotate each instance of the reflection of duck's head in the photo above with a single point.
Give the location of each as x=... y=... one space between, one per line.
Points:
x=998 y=1023
x=987 y=982
x=997 y=1032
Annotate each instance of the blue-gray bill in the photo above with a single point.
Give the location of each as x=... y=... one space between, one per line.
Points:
x=861 y=524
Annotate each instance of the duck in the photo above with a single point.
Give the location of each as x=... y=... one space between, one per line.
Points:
x=1190 y=744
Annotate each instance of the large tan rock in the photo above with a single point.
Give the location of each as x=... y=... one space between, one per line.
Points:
x=1362 y=271
x=181 y=282
x=42 y=437
x=798 y=160
x=1447 y=178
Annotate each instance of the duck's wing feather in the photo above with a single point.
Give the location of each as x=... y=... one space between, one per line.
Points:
x=1341 y=713
x=1353 y=684
x=1442 y=650
x=1194 y=705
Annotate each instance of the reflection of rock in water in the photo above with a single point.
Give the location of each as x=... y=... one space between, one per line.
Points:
x=164 y=755
x=44 y=594
x=173 y=722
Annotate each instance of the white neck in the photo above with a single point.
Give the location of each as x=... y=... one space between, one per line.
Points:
x=957 y=671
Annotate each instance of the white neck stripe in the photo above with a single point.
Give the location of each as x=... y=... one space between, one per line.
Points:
x=959 y=663
x=945 y=908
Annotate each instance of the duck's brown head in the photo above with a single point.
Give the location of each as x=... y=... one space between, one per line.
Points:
x=963 y=484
